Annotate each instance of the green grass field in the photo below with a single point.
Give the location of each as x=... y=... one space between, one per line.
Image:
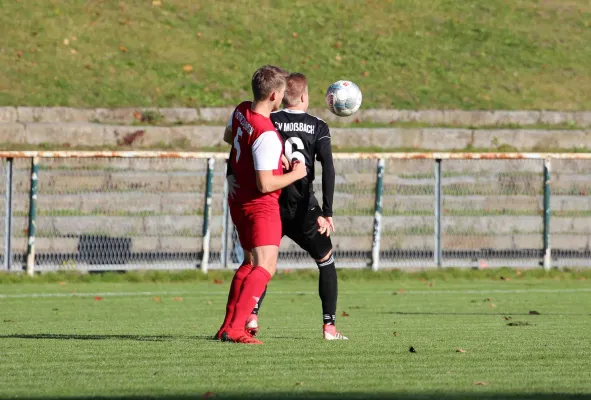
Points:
x=522 y=54
x=84 y=336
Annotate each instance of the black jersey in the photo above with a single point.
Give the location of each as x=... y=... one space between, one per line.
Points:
x=307 y=138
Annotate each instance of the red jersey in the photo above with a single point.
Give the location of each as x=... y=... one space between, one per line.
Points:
x=256 y=146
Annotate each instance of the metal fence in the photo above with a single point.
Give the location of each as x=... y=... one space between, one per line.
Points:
x=167 y=210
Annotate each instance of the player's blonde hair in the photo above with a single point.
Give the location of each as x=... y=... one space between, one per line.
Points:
x=266 y=80
x=297 y=85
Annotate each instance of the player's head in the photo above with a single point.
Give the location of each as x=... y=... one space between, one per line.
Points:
x=296 y=92
x=268 y=84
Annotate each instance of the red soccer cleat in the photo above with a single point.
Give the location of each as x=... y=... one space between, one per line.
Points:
x=239 y=337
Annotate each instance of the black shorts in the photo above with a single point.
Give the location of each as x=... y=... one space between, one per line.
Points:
x=303 y=230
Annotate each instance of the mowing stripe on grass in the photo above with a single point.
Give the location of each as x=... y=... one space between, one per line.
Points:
x=419 y=292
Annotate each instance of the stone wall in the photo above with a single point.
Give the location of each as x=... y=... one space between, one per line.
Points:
x=220 y=114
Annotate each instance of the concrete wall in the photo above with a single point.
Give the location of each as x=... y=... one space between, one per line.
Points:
x=111 y=127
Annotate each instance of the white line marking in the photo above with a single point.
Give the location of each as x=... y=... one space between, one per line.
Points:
x=280 y=292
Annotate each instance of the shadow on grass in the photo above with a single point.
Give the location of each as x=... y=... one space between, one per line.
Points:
x=139 y=338
x=509 y=314
x=346 y=396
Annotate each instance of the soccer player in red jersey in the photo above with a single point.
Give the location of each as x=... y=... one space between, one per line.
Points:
x=256 y=160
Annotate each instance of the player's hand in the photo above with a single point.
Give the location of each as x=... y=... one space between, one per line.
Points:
x=324 y=226
x=285 y=163
x=330 y=223
x=299 y=169
x=232 y=185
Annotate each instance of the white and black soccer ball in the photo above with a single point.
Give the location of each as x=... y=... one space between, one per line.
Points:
x=343 y=98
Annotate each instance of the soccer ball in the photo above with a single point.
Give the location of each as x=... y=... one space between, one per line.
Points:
x=343 y=98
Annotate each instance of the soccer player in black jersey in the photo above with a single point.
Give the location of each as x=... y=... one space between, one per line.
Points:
x=307 y=138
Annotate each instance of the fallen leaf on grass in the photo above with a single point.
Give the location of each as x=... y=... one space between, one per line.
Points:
x=519 y=323
x=412 y=349
x=177 y=299
x=460 y=350
x=156 y=298
x=98 y=298
x=534 y=313
x=218 y=281
x=344 y=314
x=480 y=383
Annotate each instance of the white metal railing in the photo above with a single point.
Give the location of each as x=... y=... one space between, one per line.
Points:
x=381 y=190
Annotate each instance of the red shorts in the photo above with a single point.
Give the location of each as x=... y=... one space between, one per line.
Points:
x=257 y=224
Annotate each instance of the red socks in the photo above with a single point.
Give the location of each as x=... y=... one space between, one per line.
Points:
x=252 y=289
x=237 y=281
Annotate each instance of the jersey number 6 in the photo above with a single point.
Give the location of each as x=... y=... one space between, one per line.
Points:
x=289 y=151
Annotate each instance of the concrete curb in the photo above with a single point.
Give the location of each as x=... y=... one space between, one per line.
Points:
x=220 y=114
x=198 y=136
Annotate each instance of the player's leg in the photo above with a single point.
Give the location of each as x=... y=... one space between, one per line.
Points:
x=266 y=236
x=319 y=247
x=252 y=322
x=243 y=228
x=241 y=273
x=328 y=291
x=253 y=286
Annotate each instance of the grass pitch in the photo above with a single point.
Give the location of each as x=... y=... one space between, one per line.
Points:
x=523 y=336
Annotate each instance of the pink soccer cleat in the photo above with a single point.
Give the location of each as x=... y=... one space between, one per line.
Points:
x=330 y=332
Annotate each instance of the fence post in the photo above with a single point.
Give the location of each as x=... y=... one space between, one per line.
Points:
x=8 y=216
x=437 y=253
x=225 y=222
x=207 y=215
x=377 y=219
x=547 y=249
x=32 y=216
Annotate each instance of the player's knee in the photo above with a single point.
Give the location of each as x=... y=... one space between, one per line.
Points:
x=270 y=268
x=325 y=258
x=266 y=257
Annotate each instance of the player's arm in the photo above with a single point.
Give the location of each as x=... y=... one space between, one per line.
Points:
x=228 y=131
x=266 y=151
x=324 y=155
x=230 y=178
